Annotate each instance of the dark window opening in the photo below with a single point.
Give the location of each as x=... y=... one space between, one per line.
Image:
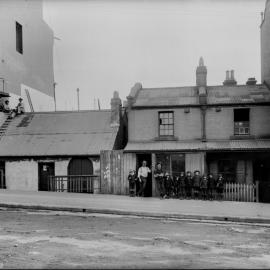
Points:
x=228 y=169
x=19 y=38
x=241 y=122
x=166 y=124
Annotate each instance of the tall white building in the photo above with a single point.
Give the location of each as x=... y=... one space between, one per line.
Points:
x=26 y=54
x=265 y=44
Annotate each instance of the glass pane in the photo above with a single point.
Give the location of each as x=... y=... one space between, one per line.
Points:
x=178 y=163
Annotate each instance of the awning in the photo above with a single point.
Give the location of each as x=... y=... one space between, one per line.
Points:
x=226 y=145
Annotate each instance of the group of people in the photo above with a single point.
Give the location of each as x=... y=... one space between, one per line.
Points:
x=19 y=109
x=182 y=185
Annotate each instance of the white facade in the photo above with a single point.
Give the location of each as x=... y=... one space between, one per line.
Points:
x=31 y=69
x=265 y=45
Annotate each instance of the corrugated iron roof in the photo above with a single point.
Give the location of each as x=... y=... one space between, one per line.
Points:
x=59 y=133
x=222 y=94
x=198 y=145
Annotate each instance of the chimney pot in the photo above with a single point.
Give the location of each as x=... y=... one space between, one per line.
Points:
x=251 y=81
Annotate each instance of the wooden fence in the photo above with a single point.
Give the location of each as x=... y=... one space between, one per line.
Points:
x=241 y=192
x=74 y=183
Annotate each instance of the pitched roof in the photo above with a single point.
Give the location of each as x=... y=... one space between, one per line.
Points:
x=222 y=94
x=59 y=133
x=236 y=145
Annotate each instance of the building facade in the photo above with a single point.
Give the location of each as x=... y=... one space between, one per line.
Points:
x=265 y=44
x=26 y=54
x=34 y=146
x=218 y=129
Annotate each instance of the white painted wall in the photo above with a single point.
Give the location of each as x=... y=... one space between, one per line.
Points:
x=33 y=68
x=22 y=175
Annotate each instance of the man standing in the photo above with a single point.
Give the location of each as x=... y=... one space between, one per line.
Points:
x=142 y=175
x=159 y=176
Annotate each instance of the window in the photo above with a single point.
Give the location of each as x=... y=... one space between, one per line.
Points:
x=241 y=122
x=166 y=124
x=228 y=169
x=19 y=38
x=171 y=163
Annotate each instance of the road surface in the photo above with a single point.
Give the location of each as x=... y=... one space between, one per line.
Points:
x=45 y=239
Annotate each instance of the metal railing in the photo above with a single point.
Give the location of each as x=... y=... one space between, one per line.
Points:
x=74 y=183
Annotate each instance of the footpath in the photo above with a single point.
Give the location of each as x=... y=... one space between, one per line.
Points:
x=145 y=207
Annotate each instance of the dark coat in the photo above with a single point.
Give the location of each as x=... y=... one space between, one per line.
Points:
x=211 y=182
x=196 y=180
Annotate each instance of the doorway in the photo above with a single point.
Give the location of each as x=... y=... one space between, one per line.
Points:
x=261 y=173
x=45 y=169
x=79 y=167
x=148 y=159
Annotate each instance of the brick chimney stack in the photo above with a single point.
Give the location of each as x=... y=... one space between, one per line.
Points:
x=201 y=74
x=230 y=80
x=116 y=109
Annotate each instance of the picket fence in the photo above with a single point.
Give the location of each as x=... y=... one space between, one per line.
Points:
x=241 y=192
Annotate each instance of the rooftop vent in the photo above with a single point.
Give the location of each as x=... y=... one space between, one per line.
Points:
x=251 y=81
x=230 y=80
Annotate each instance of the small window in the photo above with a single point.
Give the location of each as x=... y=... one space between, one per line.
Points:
x=166 y=124
x=19 y=38
x=241 y=122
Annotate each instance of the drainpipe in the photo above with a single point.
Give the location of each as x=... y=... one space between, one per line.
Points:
x=203 y=109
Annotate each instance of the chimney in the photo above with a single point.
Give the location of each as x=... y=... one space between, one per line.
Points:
x=251 y=81
x=131 y=98
x=201 y=74
x=116 y=109
x=230 y=80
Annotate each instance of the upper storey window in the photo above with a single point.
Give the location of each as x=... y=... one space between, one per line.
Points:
x=166 y=124
x=241 y=122
x=19 y=38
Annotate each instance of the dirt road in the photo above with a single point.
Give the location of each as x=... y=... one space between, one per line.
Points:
x=62 y=240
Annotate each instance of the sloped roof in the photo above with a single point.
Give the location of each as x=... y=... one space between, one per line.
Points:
x=225 y=145
x=59 y=133
x=222 y=94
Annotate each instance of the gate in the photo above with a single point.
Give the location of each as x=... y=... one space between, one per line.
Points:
x=114 y=167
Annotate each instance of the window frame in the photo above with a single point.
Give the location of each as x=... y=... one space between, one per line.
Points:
x=241 y=128
x=159 y=124
x=19 y=37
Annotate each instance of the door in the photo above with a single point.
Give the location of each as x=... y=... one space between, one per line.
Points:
x=45 y=169
x=79 y=166
x=148 y=159
x=2 y=175
x=261 y=173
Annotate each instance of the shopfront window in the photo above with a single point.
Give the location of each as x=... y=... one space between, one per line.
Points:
x=228 y=169
x=172 y=163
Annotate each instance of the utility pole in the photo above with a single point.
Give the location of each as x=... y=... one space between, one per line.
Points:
x=78 y=98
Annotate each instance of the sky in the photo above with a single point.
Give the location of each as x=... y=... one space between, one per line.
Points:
x=102 y=46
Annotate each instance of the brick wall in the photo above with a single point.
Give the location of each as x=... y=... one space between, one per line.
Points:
x=143 y=124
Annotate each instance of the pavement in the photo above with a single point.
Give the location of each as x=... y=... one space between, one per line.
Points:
x=145 y=207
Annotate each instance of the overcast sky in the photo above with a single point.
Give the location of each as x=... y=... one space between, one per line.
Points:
x=108 y=45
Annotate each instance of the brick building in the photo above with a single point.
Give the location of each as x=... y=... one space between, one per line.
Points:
x=218 y=129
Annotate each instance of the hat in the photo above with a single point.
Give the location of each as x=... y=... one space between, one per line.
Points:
x=20 y=98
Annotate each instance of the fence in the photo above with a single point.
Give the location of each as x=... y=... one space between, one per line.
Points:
x=241 y=192
x=74 y=183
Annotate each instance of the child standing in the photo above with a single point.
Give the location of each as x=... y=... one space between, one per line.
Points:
x=132 y=183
